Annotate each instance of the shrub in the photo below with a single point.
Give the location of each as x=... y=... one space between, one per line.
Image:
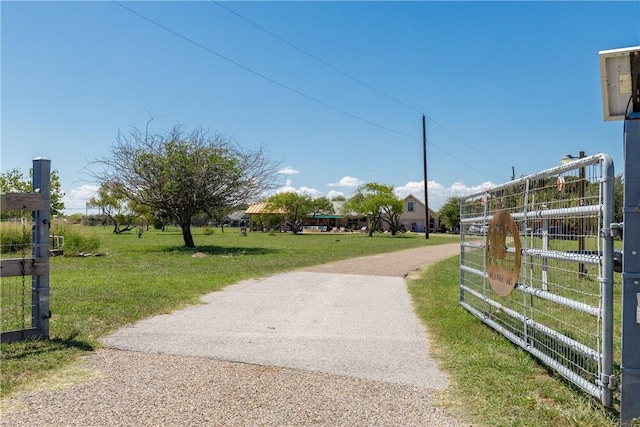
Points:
x=207 y=231
x=76 y=242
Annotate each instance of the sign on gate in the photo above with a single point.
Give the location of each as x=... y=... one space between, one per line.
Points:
x=503 y=267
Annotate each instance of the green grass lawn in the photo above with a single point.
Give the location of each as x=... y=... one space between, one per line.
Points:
x=493 y=382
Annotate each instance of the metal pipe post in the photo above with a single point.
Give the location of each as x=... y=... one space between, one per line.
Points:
x=608 y=380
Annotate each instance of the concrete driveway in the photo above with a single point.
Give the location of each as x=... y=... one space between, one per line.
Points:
x=325 y=319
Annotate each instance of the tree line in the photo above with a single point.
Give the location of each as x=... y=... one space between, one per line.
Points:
x=176 y=175
x=376 y=202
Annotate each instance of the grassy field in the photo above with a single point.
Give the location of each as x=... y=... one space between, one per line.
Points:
x=494 y=383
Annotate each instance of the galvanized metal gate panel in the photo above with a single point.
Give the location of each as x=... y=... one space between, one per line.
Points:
x=536 y=264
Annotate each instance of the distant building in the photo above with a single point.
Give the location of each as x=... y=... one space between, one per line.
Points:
x=413 y=218
x=236 y=219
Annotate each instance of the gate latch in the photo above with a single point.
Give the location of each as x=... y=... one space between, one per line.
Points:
x=614 y=230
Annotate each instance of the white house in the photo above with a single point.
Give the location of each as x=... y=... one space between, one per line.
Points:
x=413 y=218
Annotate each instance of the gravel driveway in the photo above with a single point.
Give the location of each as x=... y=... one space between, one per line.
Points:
x=312 y=347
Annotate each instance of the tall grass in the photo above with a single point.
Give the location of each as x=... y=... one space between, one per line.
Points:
x=14 y=237
x=77 y=240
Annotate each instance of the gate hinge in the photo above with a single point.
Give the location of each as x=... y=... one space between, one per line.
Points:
x=610 y=381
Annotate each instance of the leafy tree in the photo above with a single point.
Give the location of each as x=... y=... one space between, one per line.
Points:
x=121 y=211
x=295 y=208
x=160 y=220
x=183 y=174
x=391 y=213
x=449 y=213
x=321 y=206
x=146 y=215
x=13 y=181
x=379 y=204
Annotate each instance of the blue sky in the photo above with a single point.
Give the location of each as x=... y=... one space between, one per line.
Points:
x=502 y=84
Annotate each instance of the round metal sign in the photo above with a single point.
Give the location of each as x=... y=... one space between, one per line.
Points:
x=503 y=266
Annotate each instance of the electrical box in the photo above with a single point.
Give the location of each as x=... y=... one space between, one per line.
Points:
x=620 y=80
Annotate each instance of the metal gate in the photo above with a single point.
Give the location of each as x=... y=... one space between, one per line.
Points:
x=537 y=263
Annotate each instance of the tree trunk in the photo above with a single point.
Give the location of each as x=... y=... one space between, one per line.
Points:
x=116 y=228
x=186 y=235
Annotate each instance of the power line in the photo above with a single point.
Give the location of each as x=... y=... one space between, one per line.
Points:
x=299 y=49
x=282 y=85
x=467 y=144
x=464 y=163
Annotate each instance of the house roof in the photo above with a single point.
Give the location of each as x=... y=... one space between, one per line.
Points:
x=262 y=208
x=414 y=198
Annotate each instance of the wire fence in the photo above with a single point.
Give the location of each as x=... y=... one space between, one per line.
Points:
x=24 y=259
x=15 y=291
x=537 y=264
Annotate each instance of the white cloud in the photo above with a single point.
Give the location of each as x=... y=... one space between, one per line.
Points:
x=460 y=189
x=286 y=188
x=347 y=181
x=289 y=188
x=412 y=187
x=312 y=192
x=333 y=193
x=289 y=171
x=75 y=201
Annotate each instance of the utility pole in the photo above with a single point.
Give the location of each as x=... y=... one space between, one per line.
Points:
x=424 y=164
